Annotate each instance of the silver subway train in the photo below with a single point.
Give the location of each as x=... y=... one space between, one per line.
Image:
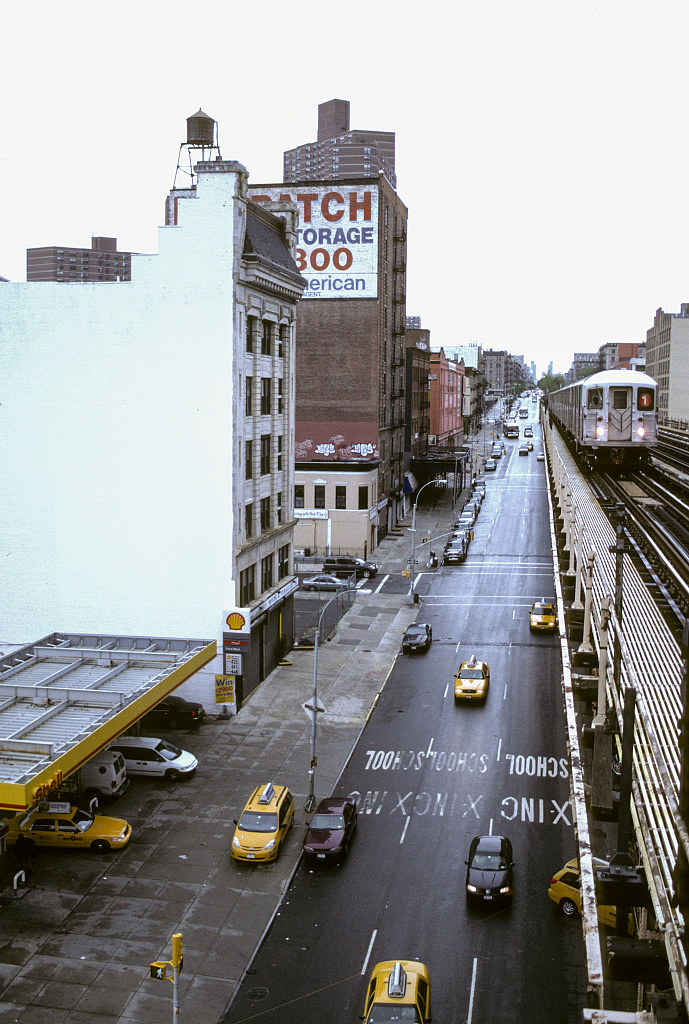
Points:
x=610 y=417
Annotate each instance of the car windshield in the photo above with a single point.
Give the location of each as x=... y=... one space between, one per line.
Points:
x=327 y=821
x=259 y=821
x=168 y=750
x=82 y=819
x=471 y=673
x=489 y=862
x=543 y=609
x=386 y=1013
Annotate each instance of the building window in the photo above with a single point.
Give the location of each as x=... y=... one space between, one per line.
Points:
x=249 y=461
x=279 y=465
x=363 y=496
x=319 y=496
x=278 y=508
x=283 y=339
x=247 y=586
x=267 y=338
x=265 y=454
x=249 y=519
x=280 y=396
x=251 y=332
x=340 y=496
x=248 y=405
x=266 y=572
x=283 y=562
x=265 y=396
x=299 y=496
x=265 y=513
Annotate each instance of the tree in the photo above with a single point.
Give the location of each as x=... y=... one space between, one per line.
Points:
x=551 y=382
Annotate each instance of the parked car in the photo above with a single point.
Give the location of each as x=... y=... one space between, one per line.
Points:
x=528 y=431
x=490 y=870
x=398 y=990
x=104 y=775
x=565 y=892
x=456 y=553
x=323 y=581
x=264 y=823
x=523 y=449
x=154 y=757
x=491 y=465
x=345 y=565
x=175 y=713
x=472 y=680
x=64 y=825
x=540 y=457
x=331 y=830
x=418 y=637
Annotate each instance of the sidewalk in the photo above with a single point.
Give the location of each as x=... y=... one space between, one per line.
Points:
x=79 y=938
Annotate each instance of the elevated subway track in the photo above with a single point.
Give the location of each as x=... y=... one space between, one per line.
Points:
x=651 y=663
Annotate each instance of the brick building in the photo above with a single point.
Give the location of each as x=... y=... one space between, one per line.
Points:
x=350 y=359
x=340 y=152
x=102 y=262
x=447 y=401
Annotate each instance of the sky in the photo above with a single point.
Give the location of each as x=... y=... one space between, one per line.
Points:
x=541 y=146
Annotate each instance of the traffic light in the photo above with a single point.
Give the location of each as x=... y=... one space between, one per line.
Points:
x=177 y=957
x=159 y=970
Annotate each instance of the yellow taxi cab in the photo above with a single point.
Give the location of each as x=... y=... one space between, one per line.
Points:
x=399 y=990
x=62 y=824
x=542 y=616
x=565 y=891
x=264 y=824
x=472 y=680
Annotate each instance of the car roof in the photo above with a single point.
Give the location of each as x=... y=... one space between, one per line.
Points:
x=333 y=804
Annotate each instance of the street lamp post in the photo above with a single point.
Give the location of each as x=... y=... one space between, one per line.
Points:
x=413 y=540
x=314 y=708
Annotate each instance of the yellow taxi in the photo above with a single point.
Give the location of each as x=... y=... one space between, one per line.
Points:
x=62 y=824
x=399 y=990
x=472 y=680
x=264 y=824
x=565 y=891
x=542 y=616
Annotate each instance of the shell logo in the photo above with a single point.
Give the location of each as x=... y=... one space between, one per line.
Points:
x=235 y=620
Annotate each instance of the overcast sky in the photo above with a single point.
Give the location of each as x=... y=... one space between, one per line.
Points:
x=541 y=145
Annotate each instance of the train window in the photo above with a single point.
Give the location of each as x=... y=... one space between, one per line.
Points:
x=645 y=399
x=595 y=398
x=620 y=398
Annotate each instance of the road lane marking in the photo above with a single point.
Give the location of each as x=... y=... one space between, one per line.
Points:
x=471 y=991
x=368 y=951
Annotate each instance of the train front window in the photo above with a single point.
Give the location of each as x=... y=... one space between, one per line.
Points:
x=620 y=398
x=595 y=398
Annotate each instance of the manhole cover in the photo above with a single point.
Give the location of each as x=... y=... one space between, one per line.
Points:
x=256 y=994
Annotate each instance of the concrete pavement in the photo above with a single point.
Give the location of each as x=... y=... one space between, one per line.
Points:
x=77 y=940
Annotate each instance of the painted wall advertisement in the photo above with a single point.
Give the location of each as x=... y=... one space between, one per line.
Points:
x=337 y=239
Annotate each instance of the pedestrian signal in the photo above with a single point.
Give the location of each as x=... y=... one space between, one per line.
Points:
x=159 y=970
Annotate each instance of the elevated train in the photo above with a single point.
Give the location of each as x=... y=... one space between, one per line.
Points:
x=610 y=417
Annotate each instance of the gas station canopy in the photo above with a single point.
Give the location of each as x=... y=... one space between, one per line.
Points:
x=67 y=696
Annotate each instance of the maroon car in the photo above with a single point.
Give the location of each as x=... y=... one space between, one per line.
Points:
x=331 y=830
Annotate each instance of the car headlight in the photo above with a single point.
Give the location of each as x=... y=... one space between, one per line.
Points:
x=308 y=849
x=471 y=888
x=269 y=845
x=504 y=889
x=336 y=849
x=235 y=842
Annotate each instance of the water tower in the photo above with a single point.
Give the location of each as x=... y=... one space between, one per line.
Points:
x=201 y=144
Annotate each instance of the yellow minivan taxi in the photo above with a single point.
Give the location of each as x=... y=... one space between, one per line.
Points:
x=398 y=990
x=264 y=824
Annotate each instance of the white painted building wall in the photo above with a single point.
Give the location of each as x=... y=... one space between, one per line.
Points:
x=116 y=441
